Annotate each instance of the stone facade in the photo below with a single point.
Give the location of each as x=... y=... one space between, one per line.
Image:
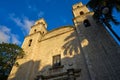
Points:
x=85 y=51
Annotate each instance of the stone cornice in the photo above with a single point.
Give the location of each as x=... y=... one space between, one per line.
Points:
x=60 y=28
x=33 y=34
x=83 y=15
x=43 y=39
x=76 y=74
x=79 y=7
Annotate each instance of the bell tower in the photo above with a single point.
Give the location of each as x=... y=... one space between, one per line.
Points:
x=82 y=15
x=30 y=43
x=101 y=52
x=36 y=32
x=39 y=26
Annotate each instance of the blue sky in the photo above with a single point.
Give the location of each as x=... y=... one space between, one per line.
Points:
x=17 y=16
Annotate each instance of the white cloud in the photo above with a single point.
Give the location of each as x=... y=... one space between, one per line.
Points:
x=27 y=24
x=4 y=37
x=5 y=29
x=24 y=23
x=8 y=37
x=15 y=39
x=4 y=34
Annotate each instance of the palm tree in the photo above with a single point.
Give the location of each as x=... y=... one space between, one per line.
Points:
x=103 y=12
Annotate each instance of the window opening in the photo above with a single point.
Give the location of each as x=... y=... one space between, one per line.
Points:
x=86 y=23
x=35 y=30
x=40 y=22
x=81 y=13
x=78 y=6
x=56 y=61
x=30 y=41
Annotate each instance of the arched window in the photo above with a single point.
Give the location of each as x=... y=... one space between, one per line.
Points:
x=35 y=30
x=78 y=6
x=56 y=61
x=86 y=23
x=81 y=12
x=30 y=42
x=40 y=22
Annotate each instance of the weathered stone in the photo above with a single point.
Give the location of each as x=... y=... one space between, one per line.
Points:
x=87 y=51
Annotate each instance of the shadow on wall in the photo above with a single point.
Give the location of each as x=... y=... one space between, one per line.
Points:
x=78 y=46
x=26 y=71
x=73 y=44
x=76 y=63
x=30 y=70
x=98 y=49
x=61 y=72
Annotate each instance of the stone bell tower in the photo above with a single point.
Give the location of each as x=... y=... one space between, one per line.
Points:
x=27 y=65
x=36 y=32
x=101 y=54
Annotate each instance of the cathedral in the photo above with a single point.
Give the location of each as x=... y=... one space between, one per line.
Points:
x=83 y=51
